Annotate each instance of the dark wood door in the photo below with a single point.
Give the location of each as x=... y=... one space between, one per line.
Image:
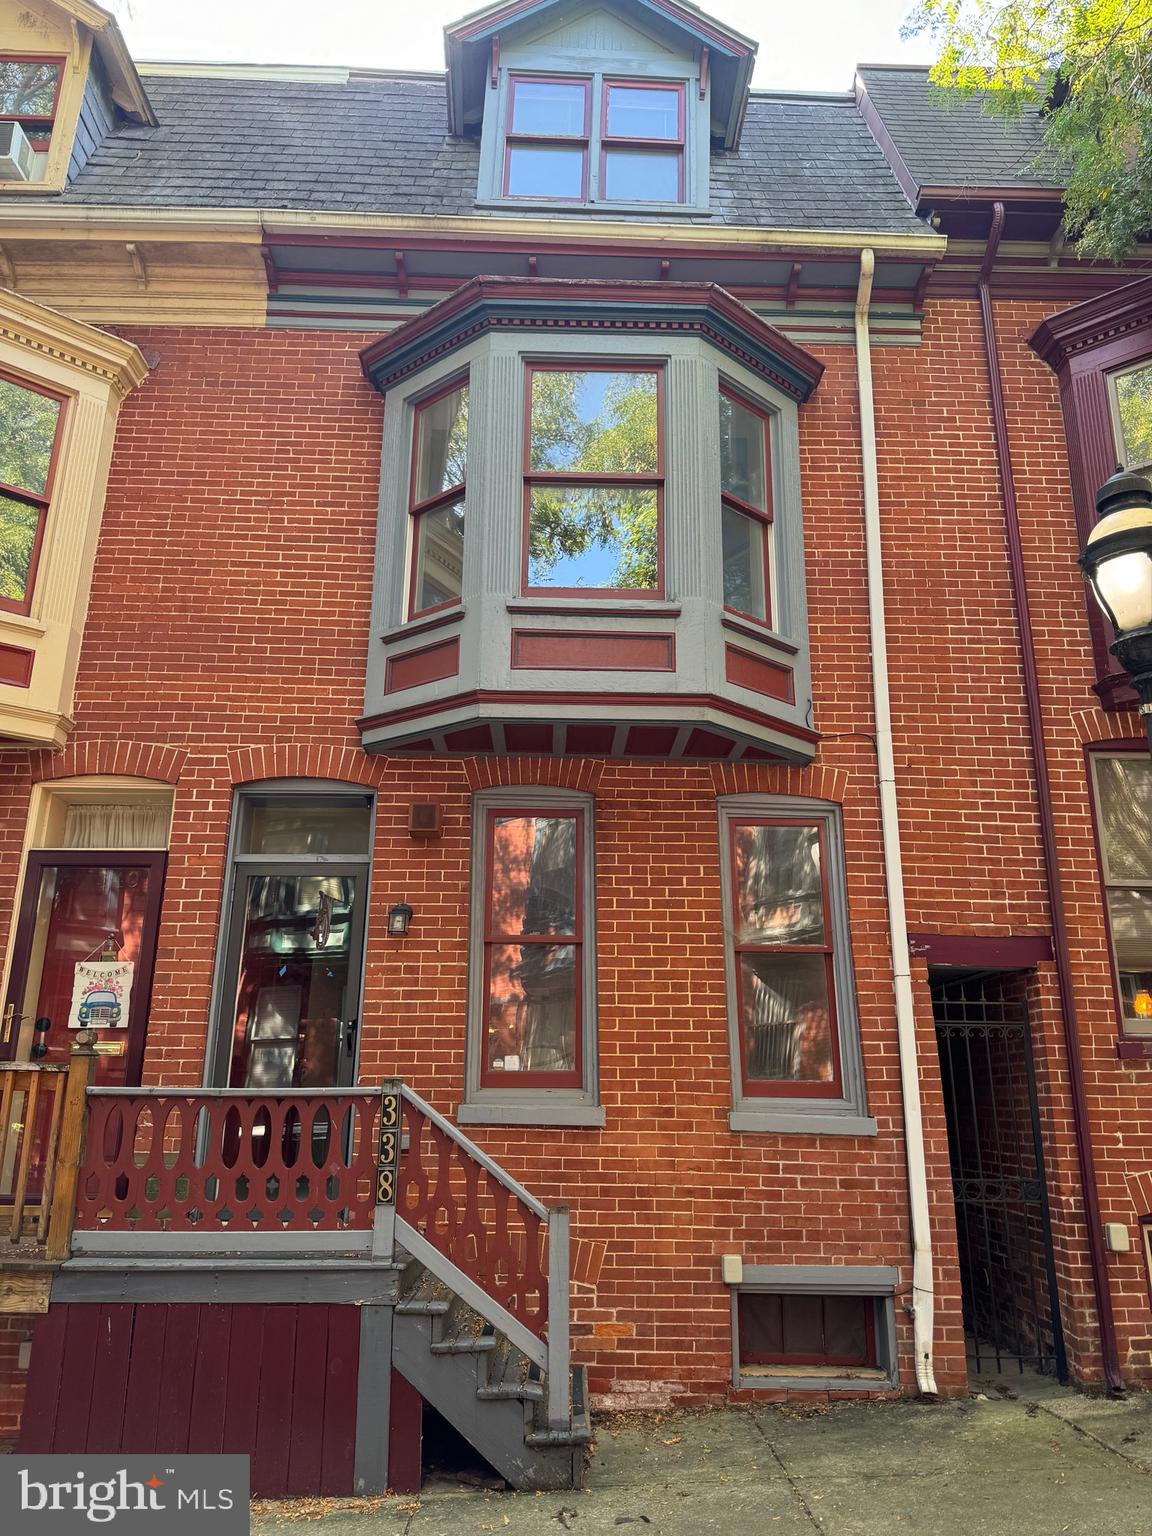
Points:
x=78 y=907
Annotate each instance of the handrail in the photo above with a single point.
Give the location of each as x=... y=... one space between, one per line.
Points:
x=41 y=1142
x=475 y=1152
x=158 y=1091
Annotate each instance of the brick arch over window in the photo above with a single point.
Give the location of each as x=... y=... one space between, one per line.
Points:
x=125 y=759
x=575 y=773
x=1140 y=1188
x=299 y=760
x=815 y=782
x=1108 y=728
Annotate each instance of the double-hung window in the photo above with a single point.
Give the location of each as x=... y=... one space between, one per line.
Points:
x=29 y=94
x=532 y=1013
x=746 y=507
x=1124 y=817
x=594 y=480
x=795 y=1041
x=559 y=145
x=30 y=425
x=436 y=500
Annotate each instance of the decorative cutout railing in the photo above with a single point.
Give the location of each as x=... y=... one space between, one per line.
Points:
x=471 y=1211
x=204 y=1165
x=222 y=1161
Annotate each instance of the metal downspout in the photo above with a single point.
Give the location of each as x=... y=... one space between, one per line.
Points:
x=1085 y=1158
x=923 y=1289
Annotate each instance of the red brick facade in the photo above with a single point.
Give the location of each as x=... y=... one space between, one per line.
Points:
x=226 y=643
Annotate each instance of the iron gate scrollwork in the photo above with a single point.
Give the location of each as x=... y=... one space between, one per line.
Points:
x=1003 y=1224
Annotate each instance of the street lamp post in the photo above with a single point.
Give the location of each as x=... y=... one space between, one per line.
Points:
x=1117 y=564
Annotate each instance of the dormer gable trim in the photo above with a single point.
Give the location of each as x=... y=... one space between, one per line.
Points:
x=471 y=43
x=127 y=88
x=557 y=305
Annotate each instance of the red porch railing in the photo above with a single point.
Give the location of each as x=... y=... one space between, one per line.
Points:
x=215 y=1161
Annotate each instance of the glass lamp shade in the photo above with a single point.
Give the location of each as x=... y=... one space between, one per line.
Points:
x=1123 y=588
x=1117 y=561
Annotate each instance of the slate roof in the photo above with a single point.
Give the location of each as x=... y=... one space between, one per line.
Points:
x=953 y=141
x=382 y=146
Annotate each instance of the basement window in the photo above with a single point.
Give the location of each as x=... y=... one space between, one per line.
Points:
x=814 y=1327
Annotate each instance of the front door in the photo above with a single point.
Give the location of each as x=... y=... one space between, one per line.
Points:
x=295 y=948
x=83 y=958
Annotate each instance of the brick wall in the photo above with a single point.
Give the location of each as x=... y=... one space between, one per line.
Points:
x=14 y=1330
x=230 y=611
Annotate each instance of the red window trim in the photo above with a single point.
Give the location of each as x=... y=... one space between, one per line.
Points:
x=514 y=140
x=867 y=1361
x=29 y=498
x=765 y=515
x=42 y=120
x=564 y=477
x=1111 y=749
x=489 y=1078
x=610 y=142
x=417 y=509
x=779 y=1088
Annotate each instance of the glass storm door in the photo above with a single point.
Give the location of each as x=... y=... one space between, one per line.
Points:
x=85 y=947
x=296 y=944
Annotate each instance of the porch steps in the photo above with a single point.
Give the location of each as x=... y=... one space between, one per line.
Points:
x=485 y=1387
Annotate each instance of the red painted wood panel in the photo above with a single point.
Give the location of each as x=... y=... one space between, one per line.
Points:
x=210 y=1388
x=405 y=1435
x=308 y=1387
x=606 y=651
x=145 y=1375
x=246 y=1348
x=342 y=1377
x=274 y=1415
x=758 y=673
x=181 y=1343
x=427 y=665
x=77 y=1372
x=38 y=1423
x=110 y=1380
x=16 y=665
x=276 y=1383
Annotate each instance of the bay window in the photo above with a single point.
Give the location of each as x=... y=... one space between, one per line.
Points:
x=594 y=479
x=1123 y=784
x=746 y=503
x=436 y=501
x=30 y=423
x=795 y=1046
x=532 y=1015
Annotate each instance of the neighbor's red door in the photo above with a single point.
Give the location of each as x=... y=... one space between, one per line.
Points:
x=73 y=905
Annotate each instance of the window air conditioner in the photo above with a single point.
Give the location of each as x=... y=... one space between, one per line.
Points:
x=16 y=154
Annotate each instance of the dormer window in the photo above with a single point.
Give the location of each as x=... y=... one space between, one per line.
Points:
x=29 y=94
x=592 y=140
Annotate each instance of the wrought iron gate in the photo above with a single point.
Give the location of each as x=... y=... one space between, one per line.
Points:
x=1007 y=1269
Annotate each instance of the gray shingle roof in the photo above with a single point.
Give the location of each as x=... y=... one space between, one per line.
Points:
x=951 y=141
x=382 y=146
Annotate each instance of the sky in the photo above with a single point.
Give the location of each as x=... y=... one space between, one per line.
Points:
x=809 y=45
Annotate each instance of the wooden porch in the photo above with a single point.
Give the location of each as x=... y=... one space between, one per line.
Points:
x=361 y=1202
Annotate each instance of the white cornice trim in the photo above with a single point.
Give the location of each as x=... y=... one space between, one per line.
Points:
x=255 y=224
x=52 y=334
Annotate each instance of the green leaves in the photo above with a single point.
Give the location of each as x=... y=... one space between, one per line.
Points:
x=1083 y=68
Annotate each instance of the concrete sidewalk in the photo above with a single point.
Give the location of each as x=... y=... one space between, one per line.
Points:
x=1039 y=1464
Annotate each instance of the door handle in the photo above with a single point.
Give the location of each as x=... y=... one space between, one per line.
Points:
x=349 y=1026
x=10 y=1017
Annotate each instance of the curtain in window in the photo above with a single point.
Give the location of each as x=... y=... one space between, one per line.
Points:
x=136 y=824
